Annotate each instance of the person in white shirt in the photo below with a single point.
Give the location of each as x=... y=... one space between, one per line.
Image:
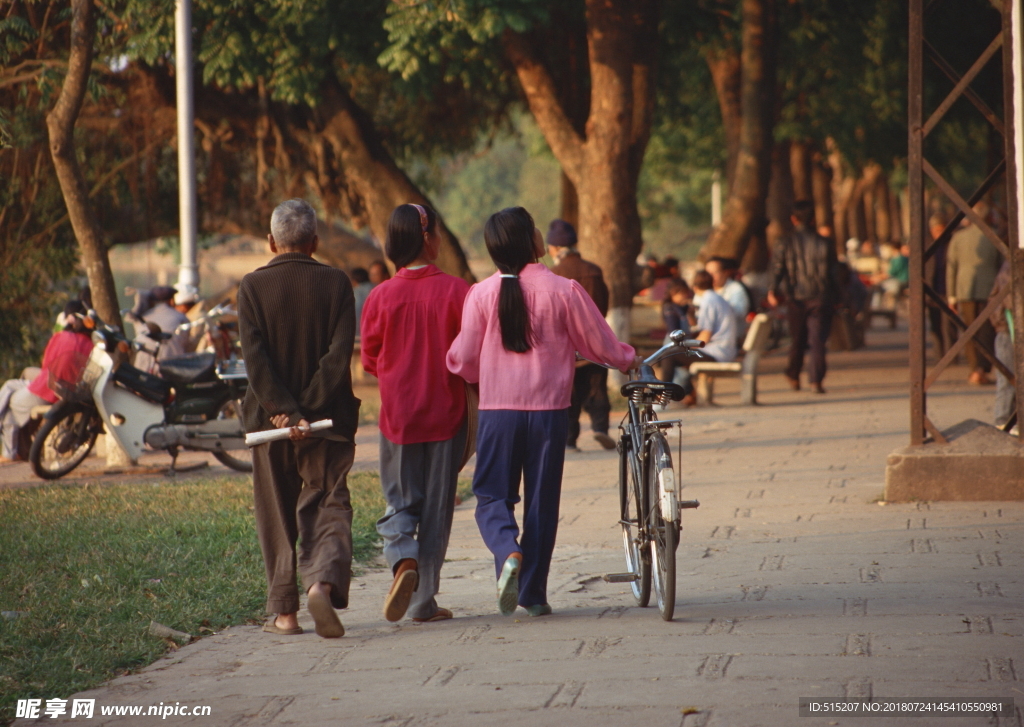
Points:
x=168 y=318
x=723 y=272
x=715 y=325
x=716 y=321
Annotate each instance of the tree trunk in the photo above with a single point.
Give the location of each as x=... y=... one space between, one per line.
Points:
x=375 y=178
x=724 y=64
x=745 y=207
x=821 y=186
x=342 y=249
x=896 y=218
x=603 y=163
x=840 y=190
x=570 y=202
x=858 y=220
x=800 y=169
x=779 y=204
x=883 y=209
x=60 y=123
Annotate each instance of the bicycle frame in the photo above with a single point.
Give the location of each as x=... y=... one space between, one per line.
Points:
x=648 y=480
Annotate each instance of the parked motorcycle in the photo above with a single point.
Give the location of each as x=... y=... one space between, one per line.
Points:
x=194 y=404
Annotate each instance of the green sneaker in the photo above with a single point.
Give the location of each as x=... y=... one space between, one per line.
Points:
x=508 y=587
x=539 y=609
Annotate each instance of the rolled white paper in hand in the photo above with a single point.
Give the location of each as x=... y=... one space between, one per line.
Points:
x=272 y=435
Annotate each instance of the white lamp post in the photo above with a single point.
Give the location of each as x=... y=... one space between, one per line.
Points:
x=188 y=271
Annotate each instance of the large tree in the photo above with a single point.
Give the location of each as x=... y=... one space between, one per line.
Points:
x=602 y=160
x=61 y=125
x=746 y=91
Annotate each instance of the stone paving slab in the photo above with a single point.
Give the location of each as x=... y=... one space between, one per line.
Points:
x=793 y=582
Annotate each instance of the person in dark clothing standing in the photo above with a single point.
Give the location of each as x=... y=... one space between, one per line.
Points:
x=590 y=383
x=297 y=324
x=804 y=275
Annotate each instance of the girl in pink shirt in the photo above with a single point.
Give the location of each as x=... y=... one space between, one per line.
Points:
x=521 y=330
x=408 y=323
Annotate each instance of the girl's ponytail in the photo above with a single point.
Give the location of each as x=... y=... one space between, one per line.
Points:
x=509 y=238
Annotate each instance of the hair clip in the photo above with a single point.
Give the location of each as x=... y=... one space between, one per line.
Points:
x=509 y=275
x=423 y=216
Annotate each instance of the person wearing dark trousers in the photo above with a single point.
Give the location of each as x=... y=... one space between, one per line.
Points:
x=296 y=318
x=409 y=322
x=521 y=329
x=590 y=382
x=805 y=275
x=972 y=262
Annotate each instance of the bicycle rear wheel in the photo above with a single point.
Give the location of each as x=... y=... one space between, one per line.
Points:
x=638 y=557
x=664 y=533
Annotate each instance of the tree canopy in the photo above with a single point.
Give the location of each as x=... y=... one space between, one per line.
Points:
x=360 y=105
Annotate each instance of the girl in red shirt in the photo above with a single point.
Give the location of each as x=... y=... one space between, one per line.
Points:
x=408 y=324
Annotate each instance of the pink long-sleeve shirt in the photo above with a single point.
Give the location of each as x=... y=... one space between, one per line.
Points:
x=564 y=320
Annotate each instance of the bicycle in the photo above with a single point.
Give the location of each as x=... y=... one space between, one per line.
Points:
x=649 y=501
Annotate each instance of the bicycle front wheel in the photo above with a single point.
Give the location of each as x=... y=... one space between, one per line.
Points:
x=638 y=556
x=664 y=532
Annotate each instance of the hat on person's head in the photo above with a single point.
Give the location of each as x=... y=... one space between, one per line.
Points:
x=561 y=234
x=162 y=293
x=185 y=297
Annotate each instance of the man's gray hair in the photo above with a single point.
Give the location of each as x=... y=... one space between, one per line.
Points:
x=293 y=224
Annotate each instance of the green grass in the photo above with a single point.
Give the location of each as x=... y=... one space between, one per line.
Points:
x=89 y=568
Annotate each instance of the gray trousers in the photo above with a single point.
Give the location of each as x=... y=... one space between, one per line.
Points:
x=419 y=482
x=1005 y=399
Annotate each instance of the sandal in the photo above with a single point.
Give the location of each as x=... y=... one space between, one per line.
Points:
x=271 y=627
x=443 y=614
x=398 y=598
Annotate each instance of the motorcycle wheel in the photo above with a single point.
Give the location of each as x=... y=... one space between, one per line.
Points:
x=61 y=444
x=236 y=459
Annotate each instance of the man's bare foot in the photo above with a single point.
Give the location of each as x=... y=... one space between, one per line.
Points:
x=327 y=623
x=287 y=621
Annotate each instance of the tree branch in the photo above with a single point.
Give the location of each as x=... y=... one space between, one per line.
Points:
x=542 y=96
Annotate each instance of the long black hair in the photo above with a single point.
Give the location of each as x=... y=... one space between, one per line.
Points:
x=509 y=238
x=404 y=241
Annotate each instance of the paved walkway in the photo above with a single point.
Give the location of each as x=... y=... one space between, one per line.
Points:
x=794 y=581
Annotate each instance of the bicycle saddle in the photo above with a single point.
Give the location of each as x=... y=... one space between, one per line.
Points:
x=189 y=369
x=648 y=381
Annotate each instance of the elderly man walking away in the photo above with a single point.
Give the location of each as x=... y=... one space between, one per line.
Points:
x=972 y=262
x=297 y=324
x=804 y=274
x=590 y=382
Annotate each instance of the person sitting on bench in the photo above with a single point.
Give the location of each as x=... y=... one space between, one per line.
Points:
x=716 y=326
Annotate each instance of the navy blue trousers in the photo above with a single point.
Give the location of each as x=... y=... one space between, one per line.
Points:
x=513 y=446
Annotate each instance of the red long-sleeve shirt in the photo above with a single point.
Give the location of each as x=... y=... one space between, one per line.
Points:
x=408 y=324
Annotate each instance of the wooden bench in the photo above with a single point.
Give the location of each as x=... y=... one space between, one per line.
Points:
x=754 y=345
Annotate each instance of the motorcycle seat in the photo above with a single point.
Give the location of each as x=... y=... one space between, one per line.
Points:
x=189 y=369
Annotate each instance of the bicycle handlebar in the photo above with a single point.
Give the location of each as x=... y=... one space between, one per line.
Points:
x=680 y=345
